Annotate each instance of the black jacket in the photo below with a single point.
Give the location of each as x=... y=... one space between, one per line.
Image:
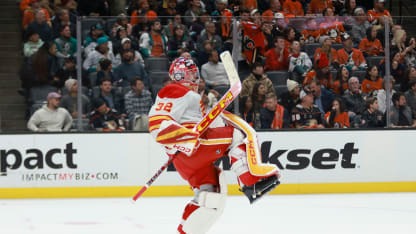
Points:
x=267 y=116
x=354 y=102
x=372 y=120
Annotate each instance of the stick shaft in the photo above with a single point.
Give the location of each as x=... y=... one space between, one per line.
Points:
x=154 y=177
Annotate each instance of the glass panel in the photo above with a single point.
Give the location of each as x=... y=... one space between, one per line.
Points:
x=326 y=68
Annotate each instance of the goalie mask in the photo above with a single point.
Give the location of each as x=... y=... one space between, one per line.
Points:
x=185 y=71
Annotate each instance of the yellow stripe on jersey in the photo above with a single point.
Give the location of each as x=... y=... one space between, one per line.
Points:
x=215 y=141
x=173 y=134
x=154 y=127
x=189 y=125
x=159 y=117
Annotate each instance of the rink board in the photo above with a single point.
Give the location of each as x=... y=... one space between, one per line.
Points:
x=116 y=164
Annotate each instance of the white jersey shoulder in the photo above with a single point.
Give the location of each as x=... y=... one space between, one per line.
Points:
x=178 y=102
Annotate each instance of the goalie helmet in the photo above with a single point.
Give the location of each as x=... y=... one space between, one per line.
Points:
x=184 y=71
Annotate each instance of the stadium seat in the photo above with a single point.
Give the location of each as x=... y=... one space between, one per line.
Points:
x=243 y=74
x=359 y=74
x=374 y=60
x=39 y=93
x=157 y=77
x=297 y=22
x=118 y=90
x=156 y=64
x=109 y=25
x=396 y=87
x=35 y=106
x=87 y=23
x=280 y=89
x=96 y=91
x=337 y=46
x=155 y=89
x=84 y=34
x=278 y=77
x=92 y=76
x=310 y=48
x=221 y=89
x=84 y=122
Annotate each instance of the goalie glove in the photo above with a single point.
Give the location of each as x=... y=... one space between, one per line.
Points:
x=173 y=135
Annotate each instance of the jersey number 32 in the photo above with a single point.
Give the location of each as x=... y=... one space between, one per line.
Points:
x=164 y=106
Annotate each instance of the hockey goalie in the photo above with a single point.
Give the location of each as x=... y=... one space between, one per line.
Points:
x=177 y=109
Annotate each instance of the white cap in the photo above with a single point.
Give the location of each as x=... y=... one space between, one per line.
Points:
x=279 y=15
x=291 y=85
x=69 y=83
x=124 y=40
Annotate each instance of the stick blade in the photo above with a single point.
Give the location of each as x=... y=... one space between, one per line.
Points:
x=229 y=66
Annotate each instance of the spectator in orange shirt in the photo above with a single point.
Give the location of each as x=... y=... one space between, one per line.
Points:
x=293 y=7
x=330 y=52
x=24 y=4
x=154 y=43
x=331 y=26
x=29 y=13
x=349 y=56
x=377 y=11
x=321 y=74
x=277 y=58
x=337 y=117
x=250 y=4
x=341 y=81
x=311 y=32
x=371 y=46
x=372 y=81
x=318 y=6
x=273 y=115
x=142 y=14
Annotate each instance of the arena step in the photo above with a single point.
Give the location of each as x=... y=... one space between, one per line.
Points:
x=12 y=99
x=12 y=111
x=13 y=125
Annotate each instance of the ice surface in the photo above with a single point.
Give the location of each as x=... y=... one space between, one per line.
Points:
x=383 y=213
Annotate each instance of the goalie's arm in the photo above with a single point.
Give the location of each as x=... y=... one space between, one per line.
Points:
x=171 y=133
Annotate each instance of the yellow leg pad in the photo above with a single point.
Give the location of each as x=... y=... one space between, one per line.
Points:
x=256 y=167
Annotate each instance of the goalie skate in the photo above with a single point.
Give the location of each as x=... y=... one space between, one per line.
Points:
x=257 y=190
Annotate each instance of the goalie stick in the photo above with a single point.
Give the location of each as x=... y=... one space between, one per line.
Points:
x=201 y=126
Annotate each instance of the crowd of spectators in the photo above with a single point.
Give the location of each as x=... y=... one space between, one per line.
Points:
x=303 y=63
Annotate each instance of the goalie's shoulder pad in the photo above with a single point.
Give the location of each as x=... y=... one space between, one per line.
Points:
x=171 y=132
x=173 y=91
